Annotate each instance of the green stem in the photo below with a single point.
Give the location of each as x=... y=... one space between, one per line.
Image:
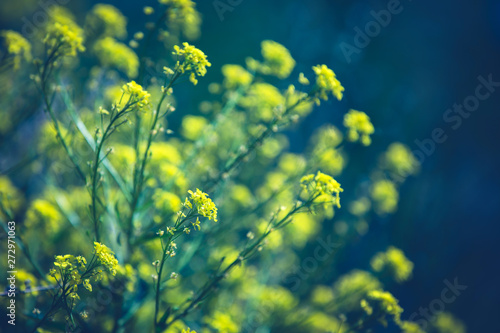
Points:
x=43 y=77
x=55 y=303
x=95 y=172
x=139 y=171
x=171 y=237
x=212 y=184
x=244 y=255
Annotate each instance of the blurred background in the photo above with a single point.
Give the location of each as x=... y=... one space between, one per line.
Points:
x=405 y=76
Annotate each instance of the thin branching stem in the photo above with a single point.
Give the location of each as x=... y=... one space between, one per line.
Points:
x=139 y=169
x=110 y=128
x=204 y=292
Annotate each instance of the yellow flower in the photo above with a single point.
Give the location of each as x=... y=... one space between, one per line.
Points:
x=300 y=101
x=359 y=126
x=325 y=142
x=43 y=215
x=360 y=207
x=136 y=94
x=63 y=40
x=324 y=186
x=188 y=330
x=166 y=201
x=411 y=327
x=148 y=10
x=385 y=195
x=264 y=101
x=204 y=204
x=222 y=322
x=25 y=279
x=399 y=160
x=394 y=263
x=292 y=164
x=63 y=16
x=10 y=197
x=303 y=79
x=112 y=53
x=317 y=321
x=382 y=303
x=192 y=127
x=87 y=285
x=17 y=46
x=446 y=323
x=277 y=60
x=68 y=269
x=352 y=287
x=107 y=20
x=106 y=257
x=183 y=16
x=322 y=295
x=194 y=61
x=236 y=76
x=326 y=82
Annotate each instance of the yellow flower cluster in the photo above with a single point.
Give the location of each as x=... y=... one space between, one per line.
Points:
x=195 y=61
x=322 y=295
x=63 y=40
x=360 y=206
x=44 y=216
x=192 y=126
x=110 y=52
x=385 y=195
x=222 y=322
x=182 y=15
x=203 y=203
x=359 y=126
x=382 y=304
x=26 y=280
x=298 y=102
x=324 y=186
x=62 y=15
x=166 y=202
x=106 y=257
x=411 y=327
x=399 y=160
x=292 y=164
x=263 y=100
x=69 y=270
x=107 y=20
x=72 y=271
x=327 y=136
x=17 y=46
x=446 y=323
x=325 y=152
x=10 y=197
x=188 y=330
x=303 y=80
x=327 y=82
x=394 y=263
x=280 y=298
x=236 y=76
x=352 y=287
x=318 y=320
x=277 y=60
x=136 y=94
